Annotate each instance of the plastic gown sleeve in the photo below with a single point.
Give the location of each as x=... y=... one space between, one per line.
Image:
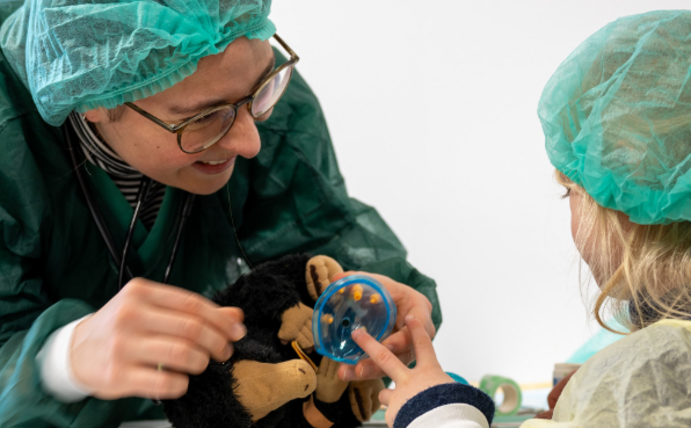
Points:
x=297 y=200
x=639 y=381
x=27 y=316
x=31 y=253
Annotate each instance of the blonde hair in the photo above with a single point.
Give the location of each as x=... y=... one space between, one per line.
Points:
x=645 y=270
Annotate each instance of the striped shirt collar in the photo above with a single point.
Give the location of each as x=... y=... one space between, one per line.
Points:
x=99 y=153
x=126 y=178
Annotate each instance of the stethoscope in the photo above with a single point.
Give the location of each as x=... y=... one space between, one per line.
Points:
x=120 y=258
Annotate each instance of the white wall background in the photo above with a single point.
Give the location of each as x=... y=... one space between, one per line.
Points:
x=432 y=110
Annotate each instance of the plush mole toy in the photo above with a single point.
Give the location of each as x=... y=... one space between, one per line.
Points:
x=274 y=379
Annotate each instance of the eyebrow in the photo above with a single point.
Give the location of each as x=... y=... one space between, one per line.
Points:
x=189 y=111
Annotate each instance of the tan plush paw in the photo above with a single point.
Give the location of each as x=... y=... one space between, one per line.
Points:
x=296 y=324
x=264 y=387
x=320 y=269
x=364 y=398
x=329 y=386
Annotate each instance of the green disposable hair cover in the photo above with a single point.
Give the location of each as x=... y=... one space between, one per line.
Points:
x=84 y=54
x=617 y=116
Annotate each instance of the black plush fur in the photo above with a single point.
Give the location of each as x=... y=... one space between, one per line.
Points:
x=264 y=294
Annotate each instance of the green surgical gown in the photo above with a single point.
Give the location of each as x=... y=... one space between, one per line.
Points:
x=55 y=268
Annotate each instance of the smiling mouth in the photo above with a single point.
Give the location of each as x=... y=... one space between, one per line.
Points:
x=213 y=167
x=213 y=162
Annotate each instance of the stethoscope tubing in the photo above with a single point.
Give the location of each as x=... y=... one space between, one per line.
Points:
x=142 y=194
x=120 y=259
x=95 y=212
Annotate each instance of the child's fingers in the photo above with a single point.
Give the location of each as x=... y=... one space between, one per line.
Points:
x=381 y=356
x=424 y=316
x=385 y=396
x=424 y=350
x=399 y=342
x=368 y=369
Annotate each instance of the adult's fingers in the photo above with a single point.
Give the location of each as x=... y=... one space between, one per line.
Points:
x=408 y=300
x=381 y=356
x=185 y=326
x=385 y=280
x=181 y=300
x=149 y=382
x=236 y=314
x=422 y=343
x=174 y=353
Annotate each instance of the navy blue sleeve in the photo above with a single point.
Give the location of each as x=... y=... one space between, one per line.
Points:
x=441 y=395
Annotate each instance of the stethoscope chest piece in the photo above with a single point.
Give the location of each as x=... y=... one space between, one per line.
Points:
x=353 y=302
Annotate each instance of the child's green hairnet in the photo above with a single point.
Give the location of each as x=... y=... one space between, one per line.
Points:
x=84 y=54
x=617 y=116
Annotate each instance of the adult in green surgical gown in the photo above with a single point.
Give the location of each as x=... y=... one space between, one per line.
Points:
x=112 y=77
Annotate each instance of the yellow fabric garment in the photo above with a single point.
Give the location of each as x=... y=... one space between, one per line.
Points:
x=643 y=380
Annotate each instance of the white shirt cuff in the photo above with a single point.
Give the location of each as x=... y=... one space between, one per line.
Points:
x=456 y=415
x=54 y=361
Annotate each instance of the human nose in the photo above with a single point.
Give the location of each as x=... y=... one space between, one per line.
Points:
x=243 y=137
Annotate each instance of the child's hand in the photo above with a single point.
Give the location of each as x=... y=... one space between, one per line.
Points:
x=408 y=302
x=409 y=382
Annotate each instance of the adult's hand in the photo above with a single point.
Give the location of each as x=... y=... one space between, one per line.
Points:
x=408 y=302
x=409 y=382
x=118 y=351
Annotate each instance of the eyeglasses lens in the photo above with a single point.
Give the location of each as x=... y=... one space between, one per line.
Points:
x=206 y=130
x=271 y=92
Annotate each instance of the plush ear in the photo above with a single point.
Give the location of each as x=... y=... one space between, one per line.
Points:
x=320 y=269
